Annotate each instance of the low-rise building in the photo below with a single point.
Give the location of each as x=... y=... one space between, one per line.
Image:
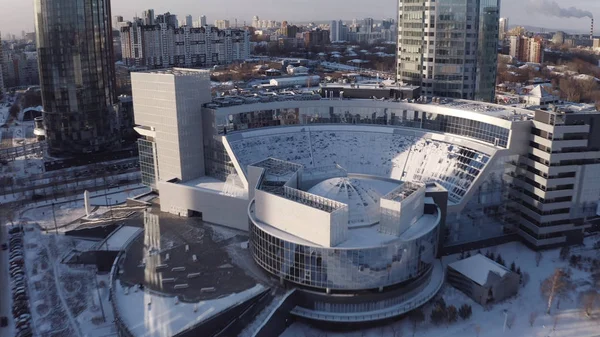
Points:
x=482 y=279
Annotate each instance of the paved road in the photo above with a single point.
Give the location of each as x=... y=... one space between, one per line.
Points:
x=5 y=300
x=110 y=180
x=7 y=139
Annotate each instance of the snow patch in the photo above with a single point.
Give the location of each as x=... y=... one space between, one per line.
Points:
x=150 y=315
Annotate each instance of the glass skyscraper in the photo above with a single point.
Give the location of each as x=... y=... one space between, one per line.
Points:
x=449 y=47
x=77 y=75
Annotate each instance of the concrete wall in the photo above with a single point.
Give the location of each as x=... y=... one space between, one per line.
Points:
x=501 y=287
x=216 y=208
x=411 y=209
x=301 y=220
x=190 y=93
x=171 y=104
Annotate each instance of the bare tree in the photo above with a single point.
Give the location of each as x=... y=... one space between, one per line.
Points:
x=538 y=259
x=555 y=323
x=589 y=299
x=532 y=316
x=570 y=89
x=416 y=316
x=524 y=279
x=396 y=331
x=510 y=320
x=555 y=285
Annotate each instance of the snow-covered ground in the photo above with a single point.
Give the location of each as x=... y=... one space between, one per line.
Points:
x=567 y=320
x=98 y=198
x=119 y=239
x=130 y=190
x=64 y=300
x=262 y=317
x=69 y=210
x=22 y=168
x=150 y=315
x=65 y=213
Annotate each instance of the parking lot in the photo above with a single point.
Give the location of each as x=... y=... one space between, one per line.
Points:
x=18 y=290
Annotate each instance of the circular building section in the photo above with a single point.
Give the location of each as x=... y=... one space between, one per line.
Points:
x=349 y=267
x=370 y=237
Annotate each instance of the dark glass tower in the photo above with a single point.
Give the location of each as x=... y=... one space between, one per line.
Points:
x=77 y=75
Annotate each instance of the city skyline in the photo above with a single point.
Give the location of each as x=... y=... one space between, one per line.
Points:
x=21 y=18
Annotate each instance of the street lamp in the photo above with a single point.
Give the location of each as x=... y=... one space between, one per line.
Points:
x=110 y=208
x=505 y=320
x=54 y=216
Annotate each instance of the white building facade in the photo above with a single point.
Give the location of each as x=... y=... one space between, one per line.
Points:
x=162 y=45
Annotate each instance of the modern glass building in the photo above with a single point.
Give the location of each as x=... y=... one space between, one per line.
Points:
x=449 y=47
x=77 y=75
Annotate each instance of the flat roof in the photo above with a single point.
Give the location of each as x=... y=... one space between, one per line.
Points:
x=506 y=112
x=217 y=186
x=478 y=267
x=176 y=71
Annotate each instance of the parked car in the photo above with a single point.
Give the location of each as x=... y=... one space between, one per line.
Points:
x=4 y=246
x=14 y=230
x=3 y=321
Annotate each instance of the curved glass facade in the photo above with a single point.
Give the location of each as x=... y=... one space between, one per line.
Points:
x=75 y=57
x=343 y=269
x=253 y=119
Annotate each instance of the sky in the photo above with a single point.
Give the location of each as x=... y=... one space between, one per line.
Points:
x=17 y=15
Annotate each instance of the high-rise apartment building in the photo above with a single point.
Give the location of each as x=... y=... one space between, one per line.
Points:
x=202 y=21
x=255 y=21
x=163 y=45
x=222 y=24
x=117 y=19
x=148 y=16
x=367 y=26
x=20 y=68
x=2 y=85
x=449 y=48
x=316 y=37
x=333 y=31
x=189 y=21
x=287 y=30
x=556 y=182
x=167 y=19
x=527 y=49
x=77 y=75
x=336 y=31
x=502 y=28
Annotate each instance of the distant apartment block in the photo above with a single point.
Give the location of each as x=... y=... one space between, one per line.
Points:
x=164 y=45
x=502 y=28
x=222 y=24
x=527 y=49
x=2 y=87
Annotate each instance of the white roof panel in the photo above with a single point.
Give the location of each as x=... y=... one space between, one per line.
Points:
x=478 y=267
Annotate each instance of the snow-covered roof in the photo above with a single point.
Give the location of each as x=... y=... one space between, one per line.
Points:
x=478 y=267
x=231 y=187
x=372 y=150
x=361 y=195
x=152 y=315
x=541 y=91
